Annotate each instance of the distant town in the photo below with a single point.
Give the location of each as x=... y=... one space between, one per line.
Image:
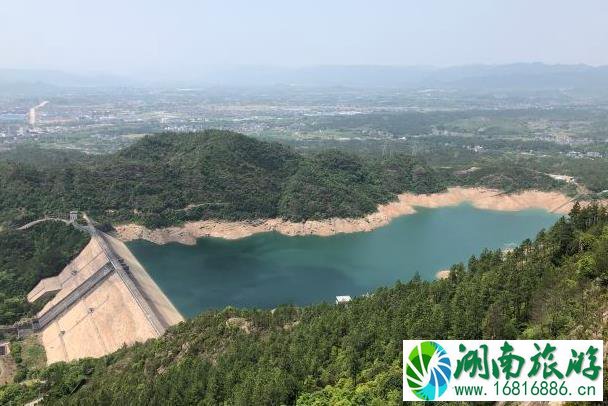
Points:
x=100 y=120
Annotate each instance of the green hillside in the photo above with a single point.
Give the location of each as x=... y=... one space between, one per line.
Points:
x=552 y=287
x=28 y=256
x=509 y=177
x=169 y=178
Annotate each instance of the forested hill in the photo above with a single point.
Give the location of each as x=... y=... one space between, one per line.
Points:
x=168 y=178
x=552 y=287
x=28 y=256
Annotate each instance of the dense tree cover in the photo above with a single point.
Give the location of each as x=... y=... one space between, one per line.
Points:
x=489 y=122
x=28 y=256
x=337 y=184
x=398 y=123
x=534 y=159
x=552 y=287
x=43 y=157
x=593 y=173
x=168 y=178
x=506 y=176
x=505 y=164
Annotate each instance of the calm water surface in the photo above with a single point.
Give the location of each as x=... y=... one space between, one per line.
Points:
x=269 y=269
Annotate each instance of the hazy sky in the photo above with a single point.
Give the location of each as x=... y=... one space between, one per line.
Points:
x=130 y=36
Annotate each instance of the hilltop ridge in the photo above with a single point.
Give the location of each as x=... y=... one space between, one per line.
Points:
x=168 y=178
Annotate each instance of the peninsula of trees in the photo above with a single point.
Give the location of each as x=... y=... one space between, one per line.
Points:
x=166 y=179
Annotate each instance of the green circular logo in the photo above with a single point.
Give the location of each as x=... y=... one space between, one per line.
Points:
x=428 y=370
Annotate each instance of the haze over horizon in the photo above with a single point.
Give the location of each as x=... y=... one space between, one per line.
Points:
x=151 y=39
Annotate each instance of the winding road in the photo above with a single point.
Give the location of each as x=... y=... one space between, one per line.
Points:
x=42 y=220
x=33 y=223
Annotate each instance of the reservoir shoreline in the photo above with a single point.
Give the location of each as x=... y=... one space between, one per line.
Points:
x=270 y=269
x=406 y=203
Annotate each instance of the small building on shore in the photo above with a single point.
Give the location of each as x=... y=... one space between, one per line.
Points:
x=343 y=299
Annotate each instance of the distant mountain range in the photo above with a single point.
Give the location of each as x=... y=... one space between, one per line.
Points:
x=526 y=76
x=514 y=76
x=26 y=79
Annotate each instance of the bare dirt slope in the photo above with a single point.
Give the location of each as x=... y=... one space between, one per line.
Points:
x=405 y=204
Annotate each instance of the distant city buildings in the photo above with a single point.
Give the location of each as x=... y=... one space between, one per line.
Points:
x=104 y=120
x=588 y=154
x=31 y=116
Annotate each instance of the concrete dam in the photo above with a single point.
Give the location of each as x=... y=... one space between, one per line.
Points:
x=103 y=299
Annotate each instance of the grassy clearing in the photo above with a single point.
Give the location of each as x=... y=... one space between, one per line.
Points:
x=32 y=353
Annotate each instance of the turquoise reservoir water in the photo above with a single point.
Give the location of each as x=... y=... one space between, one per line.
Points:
x=269 y=269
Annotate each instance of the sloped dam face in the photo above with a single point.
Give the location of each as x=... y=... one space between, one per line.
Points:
x=102 y=300
x=269 y=269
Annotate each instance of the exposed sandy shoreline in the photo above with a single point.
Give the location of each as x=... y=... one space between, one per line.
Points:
x=481 y=198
